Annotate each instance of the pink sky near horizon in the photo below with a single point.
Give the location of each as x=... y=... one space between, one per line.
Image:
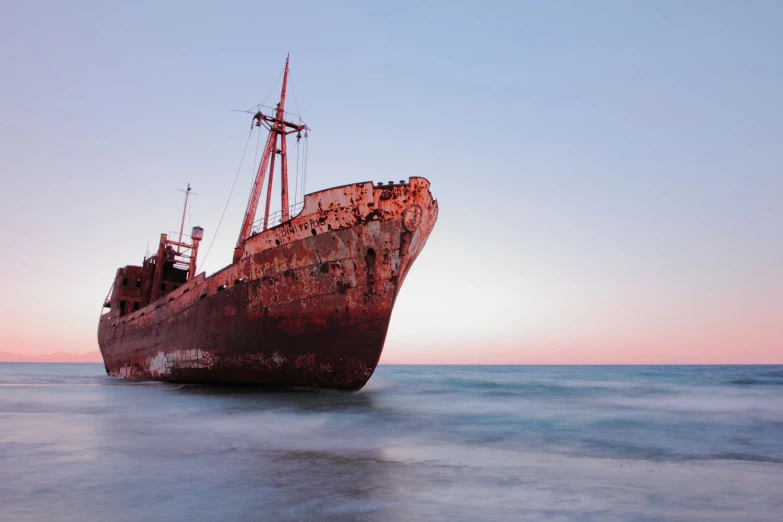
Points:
x=662 y=351
x=624 y=208
x=586 y=355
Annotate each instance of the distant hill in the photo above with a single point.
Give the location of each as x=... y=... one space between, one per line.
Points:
x=57 y=357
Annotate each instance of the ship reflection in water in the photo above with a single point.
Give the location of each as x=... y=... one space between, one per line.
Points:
x=418 y=443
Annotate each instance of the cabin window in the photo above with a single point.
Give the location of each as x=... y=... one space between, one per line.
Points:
x=163 y=287
x=138 y=283
x=202 y=296
x=135 y=305
x=122 y=308
x=239 y=281
x=125 y=281
x=221 y=288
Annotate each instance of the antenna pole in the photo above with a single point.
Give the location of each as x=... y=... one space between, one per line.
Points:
x=283 y=160
x=184 y=211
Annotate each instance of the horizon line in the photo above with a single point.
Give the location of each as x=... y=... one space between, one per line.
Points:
x=473 y=364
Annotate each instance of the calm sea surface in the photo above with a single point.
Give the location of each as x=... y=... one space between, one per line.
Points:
x=418 y=443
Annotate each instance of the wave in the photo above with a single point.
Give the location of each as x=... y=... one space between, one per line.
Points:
x=506 y=388
x=747 y=457
x=755 y=382
x=615 y=449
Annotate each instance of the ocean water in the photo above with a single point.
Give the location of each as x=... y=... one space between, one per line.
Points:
x=417 y=443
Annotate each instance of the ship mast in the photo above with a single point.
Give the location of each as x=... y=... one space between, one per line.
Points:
x=278 y=128
x=184 y=211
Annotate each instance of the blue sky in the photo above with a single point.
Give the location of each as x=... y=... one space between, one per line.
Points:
x=610 y=174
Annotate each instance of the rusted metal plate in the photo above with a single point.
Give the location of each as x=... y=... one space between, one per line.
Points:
x=308 y=303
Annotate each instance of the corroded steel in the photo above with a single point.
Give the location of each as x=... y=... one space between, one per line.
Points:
x=157 y=271
x=195 y=237
x=307 y=303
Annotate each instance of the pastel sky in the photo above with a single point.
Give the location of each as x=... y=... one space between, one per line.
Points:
x=610 y=173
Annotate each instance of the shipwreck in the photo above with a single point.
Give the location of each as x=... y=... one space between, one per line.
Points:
x=306 y=301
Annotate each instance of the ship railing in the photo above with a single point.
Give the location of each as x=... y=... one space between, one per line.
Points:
x=174 y=236
x=276 y=218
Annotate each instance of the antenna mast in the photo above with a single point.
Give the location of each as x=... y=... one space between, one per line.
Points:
x=278 y=127
x=184 y=213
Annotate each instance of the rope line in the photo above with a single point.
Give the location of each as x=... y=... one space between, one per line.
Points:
x=291 y=79
x=241 y=161
x=270 y=92
x=253 y=168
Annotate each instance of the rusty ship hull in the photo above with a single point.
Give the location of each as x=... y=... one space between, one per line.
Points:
x=306 y=304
